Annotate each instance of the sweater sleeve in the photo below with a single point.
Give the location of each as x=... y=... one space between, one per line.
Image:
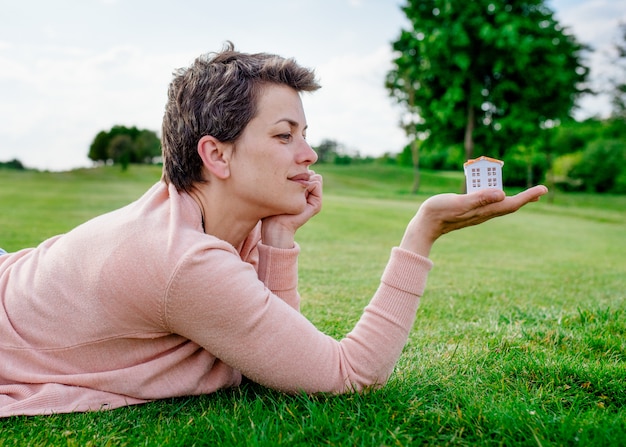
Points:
x=231 y=314
x=278 y=270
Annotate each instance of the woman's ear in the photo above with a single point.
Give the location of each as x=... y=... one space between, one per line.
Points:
x=215 y=156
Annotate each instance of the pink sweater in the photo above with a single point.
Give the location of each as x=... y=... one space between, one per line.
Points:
x=139 y=304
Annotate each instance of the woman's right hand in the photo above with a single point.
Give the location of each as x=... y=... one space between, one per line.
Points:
x=444 y=213
x=279 y=231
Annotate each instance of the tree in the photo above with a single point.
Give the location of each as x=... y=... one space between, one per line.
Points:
x=484 y=73
x=593 y=155
x=99 y=149
x=601 y=167
x=13 y=164
x=120 y=149
x=327 y=151
x=147 y=146
x=125 y=145
x=331 y=151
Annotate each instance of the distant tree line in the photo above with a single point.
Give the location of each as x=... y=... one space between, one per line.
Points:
x=574 y=156
x=125 y=145
x=12 y=164
x=334 y=152
x=588 y=156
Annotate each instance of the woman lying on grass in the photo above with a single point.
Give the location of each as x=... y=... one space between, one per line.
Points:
x=194 y=285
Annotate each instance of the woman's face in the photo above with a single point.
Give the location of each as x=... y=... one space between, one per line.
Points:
x=270 y=164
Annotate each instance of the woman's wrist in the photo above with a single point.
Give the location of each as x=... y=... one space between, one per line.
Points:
x=277 y=236
x=419 y=237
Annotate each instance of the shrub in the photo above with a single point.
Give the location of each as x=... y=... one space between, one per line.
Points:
x=602 y=167
x=562 y=169
x=523 y=167
x=450 y=158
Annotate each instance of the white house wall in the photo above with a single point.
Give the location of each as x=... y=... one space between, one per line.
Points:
x=483 y=174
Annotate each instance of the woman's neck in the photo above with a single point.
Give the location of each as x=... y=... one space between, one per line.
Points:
x=221 y=218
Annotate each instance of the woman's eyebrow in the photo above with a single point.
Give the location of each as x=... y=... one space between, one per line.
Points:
x=291 y=122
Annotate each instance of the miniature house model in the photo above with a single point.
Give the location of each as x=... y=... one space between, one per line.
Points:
x=483 y=172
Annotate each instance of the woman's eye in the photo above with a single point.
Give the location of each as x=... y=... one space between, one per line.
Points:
x=285 y=136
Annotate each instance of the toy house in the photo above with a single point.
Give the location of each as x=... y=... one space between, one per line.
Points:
x=483 y=172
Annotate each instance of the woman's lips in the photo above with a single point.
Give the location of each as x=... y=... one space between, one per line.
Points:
x=301 y=178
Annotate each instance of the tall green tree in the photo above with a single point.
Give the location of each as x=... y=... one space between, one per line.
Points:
x=484 y=73
x=124 y=145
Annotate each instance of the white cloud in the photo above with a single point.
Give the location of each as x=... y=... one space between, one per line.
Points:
x=60 y=100
x=352 y=107
x=595 y=23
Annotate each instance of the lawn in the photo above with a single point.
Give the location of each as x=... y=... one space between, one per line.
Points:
x=520 y=338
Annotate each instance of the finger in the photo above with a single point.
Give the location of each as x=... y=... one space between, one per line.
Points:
x=486 y=197
x=533 y=194
x=315 y=177
x=490 y=196
x=514 y=203
x=530 y=195
x=315 y=184
x=314 y=188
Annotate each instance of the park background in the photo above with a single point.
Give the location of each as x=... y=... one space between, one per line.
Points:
x=520 y=338
x=72 y=68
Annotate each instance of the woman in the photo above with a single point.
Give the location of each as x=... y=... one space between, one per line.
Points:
x=195 y=284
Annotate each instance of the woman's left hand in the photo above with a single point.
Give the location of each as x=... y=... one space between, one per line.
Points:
x=279 y=231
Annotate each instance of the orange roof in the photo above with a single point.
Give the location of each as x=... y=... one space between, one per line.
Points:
x=481 y=158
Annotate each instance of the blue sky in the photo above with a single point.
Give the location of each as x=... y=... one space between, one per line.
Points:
x=71 y=68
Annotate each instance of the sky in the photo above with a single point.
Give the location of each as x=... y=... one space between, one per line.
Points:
x=72 y=68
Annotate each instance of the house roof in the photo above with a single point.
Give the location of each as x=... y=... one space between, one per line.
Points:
x=483 y=158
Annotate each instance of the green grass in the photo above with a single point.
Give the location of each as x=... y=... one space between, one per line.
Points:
x=520 y=338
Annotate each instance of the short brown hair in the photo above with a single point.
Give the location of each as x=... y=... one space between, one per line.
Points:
x=217 y=95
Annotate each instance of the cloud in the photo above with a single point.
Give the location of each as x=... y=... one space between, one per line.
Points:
x=595 y=23
x=61 y=98
x=353 y=107
x=592 y=20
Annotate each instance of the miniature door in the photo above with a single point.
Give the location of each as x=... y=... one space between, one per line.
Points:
x=483 y=172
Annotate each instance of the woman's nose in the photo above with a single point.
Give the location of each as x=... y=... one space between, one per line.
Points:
x=307 y=154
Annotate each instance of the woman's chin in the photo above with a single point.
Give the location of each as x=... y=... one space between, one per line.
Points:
x=295 y=208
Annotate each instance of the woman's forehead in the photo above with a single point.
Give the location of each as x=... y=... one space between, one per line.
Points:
x=278 y=103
